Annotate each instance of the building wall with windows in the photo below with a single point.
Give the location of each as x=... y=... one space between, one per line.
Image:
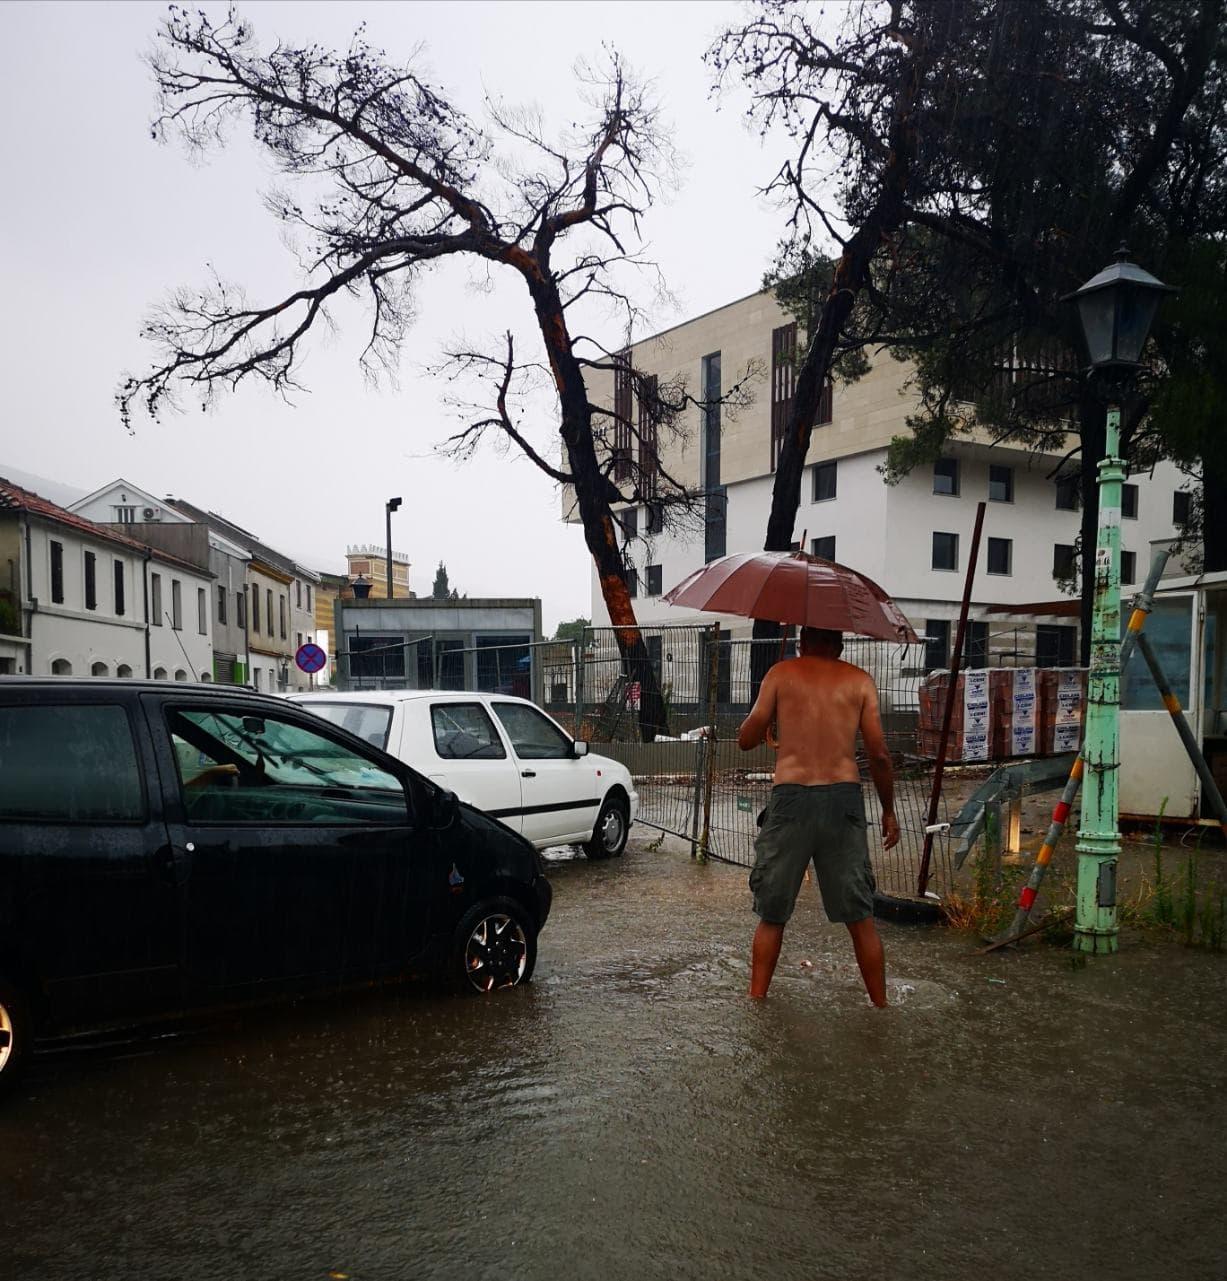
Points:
x=269 y=639
x=912 y=538
x=303 y=592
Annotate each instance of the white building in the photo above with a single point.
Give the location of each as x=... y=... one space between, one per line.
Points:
x=85 y=600
x=912 y=538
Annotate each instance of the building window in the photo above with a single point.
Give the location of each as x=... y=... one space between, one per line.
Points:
x=649 y=433
x=826 y=404
x=99 y=669
x=1182 y=507
x=1068 y=493
x=281 y=616
x=298 y=641
x=1063 y=565
x=298 y=593
x=715 y=524
x=623 y=407
x=176 y=604
x=937 y=644
x=654 y=518
x=709 y=389
x=268 y=610
x=1000 y=555
x=125 y=515
x=1054 y=645
x=159 y=673
x=221 y=605
x=91 y=581
x=202 y=611
x=824 y=547
x=120 y=604
x=945 y=551
x=655 y=579
x=975 y=645
x=124 y=671
x=632 y=581
x=61 y=667
x=155 y=599
x=1000 y=484
x=308 y=597
x=255 y=674
x=255 y=609
x=946 y=477
x=1129 y=502
x=629 y=520
x=783 y=384
x=57 y=572
x=826 y=476
x=1128 y=568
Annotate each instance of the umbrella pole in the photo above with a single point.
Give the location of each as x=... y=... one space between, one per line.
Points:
x=943 y=742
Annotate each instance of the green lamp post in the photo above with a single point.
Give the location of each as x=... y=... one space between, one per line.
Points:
x=1115 y=309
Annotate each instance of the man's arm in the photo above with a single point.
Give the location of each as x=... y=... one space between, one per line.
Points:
x=880 y=767
x=755 y=726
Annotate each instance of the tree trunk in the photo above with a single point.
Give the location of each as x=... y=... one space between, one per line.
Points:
x=1093 y=431
x=850 y=275
x=596 y=516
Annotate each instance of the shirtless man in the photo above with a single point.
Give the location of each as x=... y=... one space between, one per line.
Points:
x=817 y=703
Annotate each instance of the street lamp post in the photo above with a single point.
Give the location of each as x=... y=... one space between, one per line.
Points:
x=389 y=507
x=1115 y=309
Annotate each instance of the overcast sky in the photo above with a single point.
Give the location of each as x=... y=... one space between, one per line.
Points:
x=99 y=222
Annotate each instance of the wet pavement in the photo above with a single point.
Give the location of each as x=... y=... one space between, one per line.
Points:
x=631 y=1115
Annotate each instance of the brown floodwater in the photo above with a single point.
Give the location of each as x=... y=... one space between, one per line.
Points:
x=631 y=1115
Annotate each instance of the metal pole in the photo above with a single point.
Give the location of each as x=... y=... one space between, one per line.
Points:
x=943 y=743
x=1095 y=929
x=388 y=546
x=1176 y=712
x=1142 y=605
x=713 y=681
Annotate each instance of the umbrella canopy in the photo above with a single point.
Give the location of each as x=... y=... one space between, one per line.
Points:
x=794 y=588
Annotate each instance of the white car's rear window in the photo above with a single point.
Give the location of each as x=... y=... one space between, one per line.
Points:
x=370 y=723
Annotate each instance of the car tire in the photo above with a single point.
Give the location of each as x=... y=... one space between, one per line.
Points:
x=613 y=825
x=494 y=946
x=15 y=1035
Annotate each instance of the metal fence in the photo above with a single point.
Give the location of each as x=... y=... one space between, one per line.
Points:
x=694 y=782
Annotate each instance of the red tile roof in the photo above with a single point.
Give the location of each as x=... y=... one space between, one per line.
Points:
x=14 y=498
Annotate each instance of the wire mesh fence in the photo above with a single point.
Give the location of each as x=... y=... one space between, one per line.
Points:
x=694 y=781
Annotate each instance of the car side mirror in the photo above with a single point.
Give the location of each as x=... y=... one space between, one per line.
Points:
x=444 y=809
x=579 y=748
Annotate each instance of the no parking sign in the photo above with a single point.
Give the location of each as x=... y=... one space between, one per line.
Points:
x=310 y=658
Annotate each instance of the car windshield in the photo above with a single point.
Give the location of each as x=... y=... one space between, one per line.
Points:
x=368 y=721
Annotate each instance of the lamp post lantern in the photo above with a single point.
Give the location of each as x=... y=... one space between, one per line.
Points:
x=389 y=507
x=1115 y=310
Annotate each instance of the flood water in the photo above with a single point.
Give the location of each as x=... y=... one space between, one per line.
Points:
x=631 y=1115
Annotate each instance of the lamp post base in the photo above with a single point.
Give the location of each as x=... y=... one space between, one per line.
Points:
x=1096 y=931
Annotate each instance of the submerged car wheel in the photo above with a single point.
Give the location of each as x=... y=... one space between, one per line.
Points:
x=14 y=1035
x=495 y=946
x=612 y=828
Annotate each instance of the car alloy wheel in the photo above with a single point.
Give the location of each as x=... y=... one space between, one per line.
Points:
x=14 y=1035
x=7 y=1043
x=496 y=953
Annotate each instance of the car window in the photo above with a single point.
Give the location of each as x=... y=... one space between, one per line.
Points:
x=534 y=736
x=240 y=767
x=366 y=720
x=465 y=732
x=69 y=765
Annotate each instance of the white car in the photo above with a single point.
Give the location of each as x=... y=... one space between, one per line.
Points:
x=501 y=754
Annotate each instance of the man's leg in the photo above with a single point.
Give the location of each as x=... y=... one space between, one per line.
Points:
x=764 y=953
x=867 y=944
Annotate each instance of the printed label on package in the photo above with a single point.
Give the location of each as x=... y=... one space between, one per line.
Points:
x=1022 y=726
x=975 y=716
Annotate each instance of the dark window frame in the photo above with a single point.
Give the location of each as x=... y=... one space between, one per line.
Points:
x=815 y=544
x=1008 y=483
x=1069 y=487
x=1128 y=568
x=221 y=605
x=57 y=571
x=954 y=545
x=119 y=583
x=1182 y=507
x=955 y=479
x=1129 y=501
x=822 y=470
x=653 y=579
x=1062 y=554
x=90 y=571
x=1008 y=544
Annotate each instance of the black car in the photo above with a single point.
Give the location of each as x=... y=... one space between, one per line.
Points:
x=166 y=848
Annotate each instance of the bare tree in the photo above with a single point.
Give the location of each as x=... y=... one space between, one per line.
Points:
x=387 y=176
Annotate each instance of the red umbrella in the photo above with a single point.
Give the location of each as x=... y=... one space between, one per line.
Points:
x=794 y=588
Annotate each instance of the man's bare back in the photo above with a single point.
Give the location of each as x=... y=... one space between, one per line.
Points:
x=817 y=705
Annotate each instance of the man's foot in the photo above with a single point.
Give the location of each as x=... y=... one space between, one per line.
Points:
x=867 y=944
x=764 y=953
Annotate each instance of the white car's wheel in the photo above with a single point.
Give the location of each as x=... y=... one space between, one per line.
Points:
x=613 y=826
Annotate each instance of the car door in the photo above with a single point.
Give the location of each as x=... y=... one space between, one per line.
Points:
x=470 y=756
x=83 y=838
x=300 y=846
x=558 y=789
